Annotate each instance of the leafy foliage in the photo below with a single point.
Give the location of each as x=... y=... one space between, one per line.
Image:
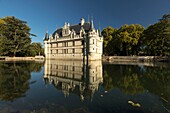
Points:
x=107 y=42
x=35 y=49
x=14 y=36
x=135 y=40
x=122 y=41
x=156 y=40
x=129 y=36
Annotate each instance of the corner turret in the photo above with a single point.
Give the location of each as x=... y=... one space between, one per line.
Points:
x=46 y=36
x=46 y=48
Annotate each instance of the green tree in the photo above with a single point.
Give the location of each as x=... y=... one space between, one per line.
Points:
x=107 y=42
x=14 y=36
x=124 y=41
x=35 y=49
x=165 y=44
x=156 y=38
x=129 y=36
x=3 y=43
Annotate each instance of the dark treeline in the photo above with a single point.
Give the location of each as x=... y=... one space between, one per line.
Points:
x=15 y=38
x=135 y=40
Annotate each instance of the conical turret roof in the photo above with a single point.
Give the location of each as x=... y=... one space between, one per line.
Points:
x=46 y=36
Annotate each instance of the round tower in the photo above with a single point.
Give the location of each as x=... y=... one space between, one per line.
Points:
x=92 y=41
x=46 y=44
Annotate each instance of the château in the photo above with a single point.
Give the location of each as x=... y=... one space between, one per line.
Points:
x=76 y=42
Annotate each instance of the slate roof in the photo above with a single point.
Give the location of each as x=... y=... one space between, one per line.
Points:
x=76 y=28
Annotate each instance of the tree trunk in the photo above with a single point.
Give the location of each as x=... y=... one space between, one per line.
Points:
x=15 y=50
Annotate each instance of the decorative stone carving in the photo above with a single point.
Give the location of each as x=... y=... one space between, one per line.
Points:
x=82 y=21
x=66 y=29
x=82 y=32
x=73 y=33
x=56 y=36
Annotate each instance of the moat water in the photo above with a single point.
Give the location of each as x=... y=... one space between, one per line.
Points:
x=78 y=87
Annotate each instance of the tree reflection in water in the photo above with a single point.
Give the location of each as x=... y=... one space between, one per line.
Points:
x=126 y=78
x=14 y=78
x=147 y=85
x=134 y=79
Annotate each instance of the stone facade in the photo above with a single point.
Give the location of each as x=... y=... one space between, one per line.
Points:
x=77 y=42
x=74 y=76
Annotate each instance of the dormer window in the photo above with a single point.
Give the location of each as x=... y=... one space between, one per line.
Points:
x=82 y=32
x=73 y=33
x=66 y=30
x=56 y=36
x=51 y=37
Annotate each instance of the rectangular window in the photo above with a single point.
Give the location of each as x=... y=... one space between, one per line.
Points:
x=73 y=43
x=73 y=75
x=64 y=51
x=64 y=44
x=60 y=44
x=64 y=67
x=82 y=50
x=54 y=45
x=73 y=50
x=82 y=42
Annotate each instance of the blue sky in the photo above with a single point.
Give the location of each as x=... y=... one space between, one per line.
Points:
x=43 y=15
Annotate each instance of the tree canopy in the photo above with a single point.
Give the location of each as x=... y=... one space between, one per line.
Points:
x=35 y=49
x=107 y=42
x=15 y=37
x=128 y=36
x=135 y=40
x=123 y=41
x=156 y=39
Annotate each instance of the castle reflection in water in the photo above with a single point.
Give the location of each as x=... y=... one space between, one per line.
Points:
x=82 y=78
